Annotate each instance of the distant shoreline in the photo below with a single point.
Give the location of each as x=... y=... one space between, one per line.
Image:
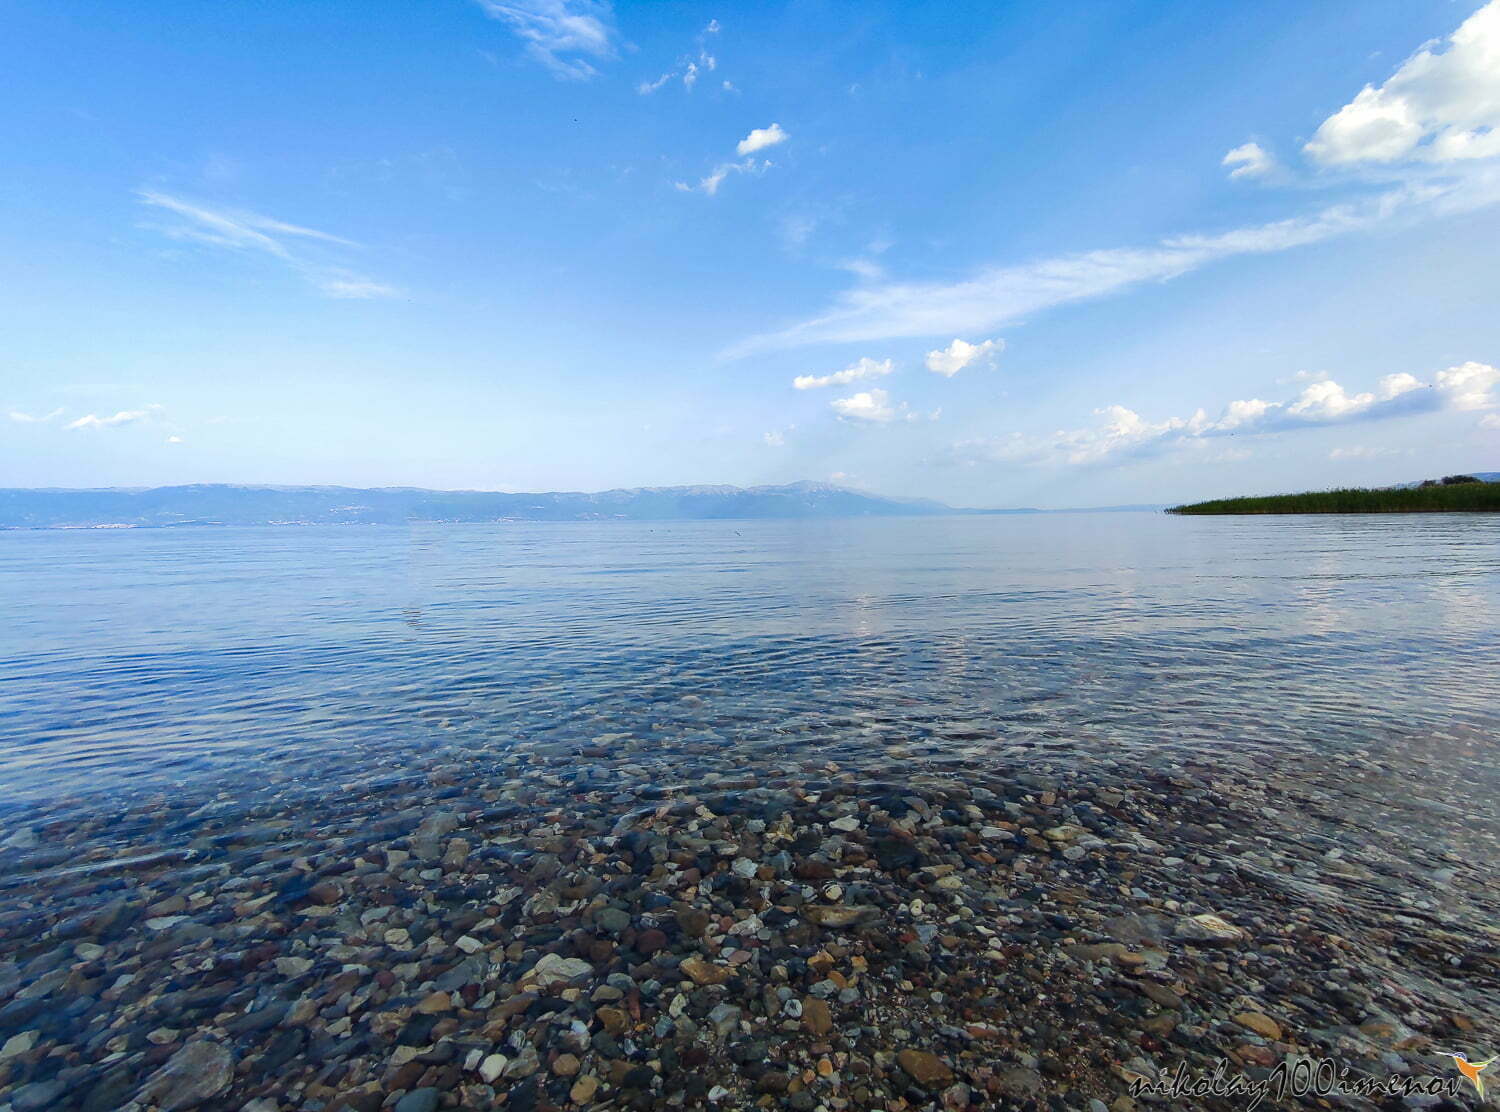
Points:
x=206 y=505
x=136 y=527
x=1462 y=497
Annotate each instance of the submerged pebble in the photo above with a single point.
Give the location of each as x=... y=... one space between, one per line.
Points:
x=650 y=919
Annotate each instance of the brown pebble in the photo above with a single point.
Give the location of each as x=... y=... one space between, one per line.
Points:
x=704 y=972
x=583 y=1089
x=650 y=941
x=925 y=1068
x=1261 y=1024
x=613 y=1019
x=816 y=1017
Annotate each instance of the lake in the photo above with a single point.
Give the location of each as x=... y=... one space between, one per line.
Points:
x=131 y=659
x=958 y=812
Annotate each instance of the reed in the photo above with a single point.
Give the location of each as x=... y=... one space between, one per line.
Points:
x=1469 y=497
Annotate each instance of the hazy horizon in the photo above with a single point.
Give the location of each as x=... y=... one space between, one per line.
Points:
x=1026 y=256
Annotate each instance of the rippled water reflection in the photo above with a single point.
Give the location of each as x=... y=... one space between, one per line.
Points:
x=228 y=658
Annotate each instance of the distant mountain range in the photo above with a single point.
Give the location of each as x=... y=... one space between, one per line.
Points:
x=223 y=504
x=1482 y=476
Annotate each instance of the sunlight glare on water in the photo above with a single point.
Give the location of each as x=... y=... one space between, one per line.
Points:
x=132 y=660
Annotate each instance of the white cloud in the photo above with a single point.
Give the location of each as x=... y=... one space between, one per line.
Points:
x=174 y=440
x=1469 y=385
x=34 y=418
x=1442 y=105
x=796 y=229
x=1124 y=432
x=123 y=417
x=233 y=228
x=1250 y=160
x=761 y=138
x=710 y=184
x=1304 y=376
x=241 y=230
x=1490 y=421
x=561 y=34
x=357 y=289
x=688 y=67
x=774 y=438
x=867 y=269
x=864 y=368
x=1361 y=451
x=868 y=405
x=1000 y=295
x=1326 y=401
x=1242 y=414
x=959 y=354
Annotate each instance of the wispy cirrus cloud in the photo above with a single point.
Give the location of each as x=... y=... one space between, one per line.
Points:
x=245 y=231
x=1124 y=433
x=351 y=287
x=689 y=68
x=115 y=420
x=1001 y=295
x=1439 y=114
x=566 y=36
x=234 y=228
x=23 y=418
x=710 y=182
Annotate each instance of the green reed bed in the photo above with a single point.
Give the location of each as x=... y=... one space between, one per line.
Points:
x=1457 y=498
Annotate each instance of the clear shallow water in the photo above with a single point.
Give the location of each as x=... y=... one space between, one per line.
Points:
x=227 y=660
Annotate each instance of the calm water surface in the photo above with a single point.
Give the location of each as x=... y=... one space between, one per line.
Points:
x=228 y=659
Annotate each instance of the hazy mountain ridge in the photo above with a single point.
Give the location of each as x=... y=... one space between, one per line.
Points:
x=1482 y=476
x=232 y=504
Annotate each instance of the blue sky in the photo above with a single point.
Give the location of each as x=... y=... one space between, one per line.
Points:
x=998 y=254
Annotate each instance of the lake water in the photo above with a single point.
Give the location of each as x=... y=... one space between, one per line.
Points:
x=310 y=811
x=226 y=660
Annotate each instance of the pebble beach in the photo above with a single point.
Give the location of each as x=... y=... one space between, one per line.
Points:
x=555 y=928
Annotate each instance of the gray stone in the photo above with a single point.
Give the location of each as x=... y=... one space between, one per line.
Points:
x=612 y=920
x=198 y=1071
x=555 y=969
x=419 y=1100
x=725 y=1018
